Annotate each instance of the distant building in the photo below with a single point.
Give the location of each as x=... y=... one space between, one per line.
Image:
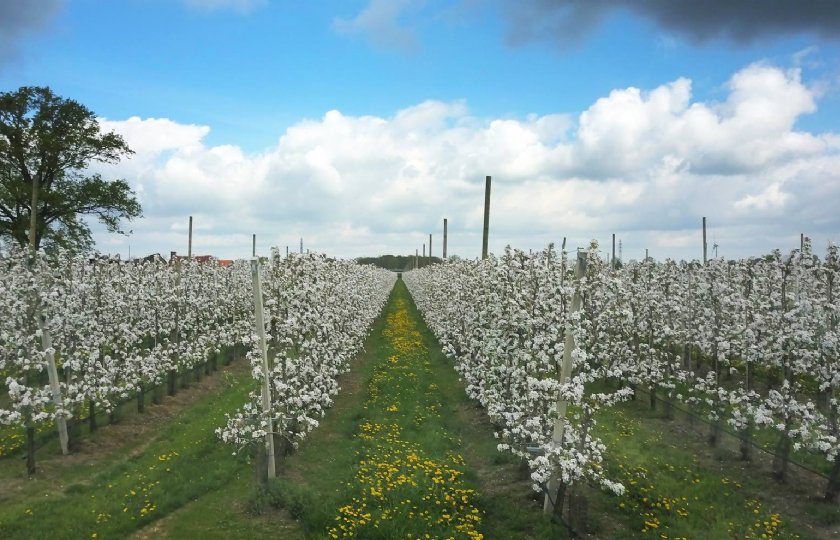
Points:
x=201 y=259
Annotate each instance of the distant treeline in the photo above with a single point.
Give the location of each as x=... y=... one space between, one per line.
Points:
x=398 y=262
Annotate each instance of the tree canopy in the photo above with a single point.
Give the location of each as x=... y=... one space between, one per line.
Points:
x=46 y=145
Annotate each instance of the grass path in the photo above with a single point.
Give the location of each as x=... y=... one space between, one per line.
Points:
x=403 y=454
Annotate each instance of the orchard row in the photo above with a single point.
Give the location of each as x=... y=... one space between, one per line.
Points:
x=113 y=330
x=751 y=344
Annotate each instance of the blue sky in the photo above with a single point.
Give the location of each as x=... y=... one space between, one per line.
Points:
x=231 y=99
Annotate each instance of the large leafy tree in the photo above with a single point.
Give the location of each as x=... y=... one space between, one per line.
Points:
x=46 y=145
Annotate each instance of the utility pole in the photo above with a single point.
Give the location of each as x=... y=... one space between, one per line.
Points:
x=444 y=239
x=486 y=235
x=189 y=241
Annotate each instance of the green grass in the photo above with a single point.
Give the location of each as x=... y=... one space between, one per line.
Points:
x=676 y=487
x=118 y=495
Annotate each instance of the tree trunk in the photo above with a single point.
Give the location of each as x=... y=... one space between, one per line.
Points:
x=578 y=513
x=653 y=398
x=560 y=499
x=171 y=382
x=746 y=443
x=73 y=431
x=714 y=433
x=833 y=488
x=141 y=399
x=524 y=470
x=282 y=448
x=260 y=464
x=780 y=462
x=91 y=416
x=30 y=450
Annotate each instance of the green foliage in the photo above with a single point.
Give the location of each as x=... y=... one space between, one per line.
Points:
x=398 y=262
x=132 y=487
x=46 y=145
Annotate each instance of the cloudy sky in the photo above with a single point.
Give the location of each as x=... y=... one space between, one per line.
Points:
x=360 y=125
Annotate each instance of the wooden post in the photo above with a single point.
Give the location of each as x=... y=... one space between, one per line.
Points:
x=416 y=257
x=801 y=242
x=444 y=239
x=646 y=254
x=430 y=249
x=266 y=387
x=301 y=245
x=46 y=345
x=486 y=235
x=613 y=252
x=189 y=241
x=705 y=246
x=424 y=251
x=565 y=374
x=253 y=245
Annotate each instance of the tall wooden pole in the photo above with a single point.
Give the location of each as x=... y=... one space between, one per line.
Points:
x=189 y=241
x=705 y=246
x=486 y=235
x=565 y=374
x=801 y=242
x=612 y=263
x=266 y=387
x=301 y=245
x=253 y=245
x=444 y=239
x=430 y=249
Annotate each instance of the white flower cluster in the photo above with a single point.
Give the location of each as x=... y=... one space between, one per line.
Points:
x=318 y=312
x=503 y=321
x=115 y=327
x=750 y=343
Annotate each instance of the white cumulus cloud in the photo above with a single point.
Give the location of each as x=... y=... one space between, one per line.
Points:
x=644 y=164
